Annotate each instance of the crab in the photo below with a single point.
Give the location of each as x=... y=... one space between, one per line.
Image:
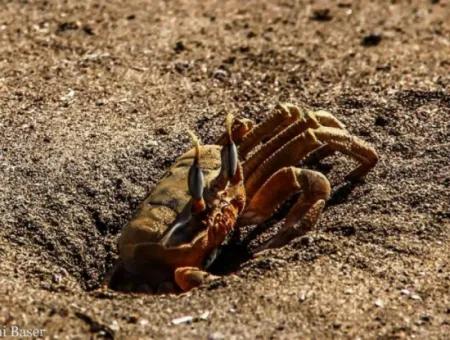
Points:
x=241 y=180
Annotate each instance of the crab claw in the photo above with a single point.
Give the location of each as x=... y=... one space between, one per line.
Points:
x=196 y=180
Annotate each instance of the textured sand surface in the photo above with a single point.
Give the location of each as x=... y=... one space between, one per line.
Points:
x=95 y=98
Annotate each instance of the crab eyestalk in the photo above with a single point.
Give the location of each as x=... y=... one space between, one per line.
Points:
x=196 y=180
x=229 y=160
x=229 y=151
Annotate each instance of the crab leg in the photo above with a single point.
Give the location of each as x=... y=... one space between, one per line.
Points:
x=289 y=154
x=342 y=141
x=279 y=187
x=274 y=144
x=325 y=118
x=315 y=190
x=190 y=277
x=288 y=233
x=303 y=121
x=323 y=140
x=241 y=126
x=278 y=120
x=319 y=154
x=284 y=115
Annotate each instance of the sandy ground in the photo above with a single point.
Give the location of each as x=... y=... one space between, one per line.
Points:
x=95 y=98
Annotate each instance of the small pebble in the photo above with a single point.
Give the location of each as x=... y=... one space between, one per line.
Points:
x=182 y=66
x=152 y=143
x=321 y=14
x=216 y=336
x=425 y=318
x=183 y=319
x=370 y=40
x=114 y=326
x=68 y=96
x=205 y=315
x=303 y=296
x=220 y=74
x=56 y=278
x=179 y=47
x=416 y=297
x=143 y=322
x=348 y=291
x=379 y=303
